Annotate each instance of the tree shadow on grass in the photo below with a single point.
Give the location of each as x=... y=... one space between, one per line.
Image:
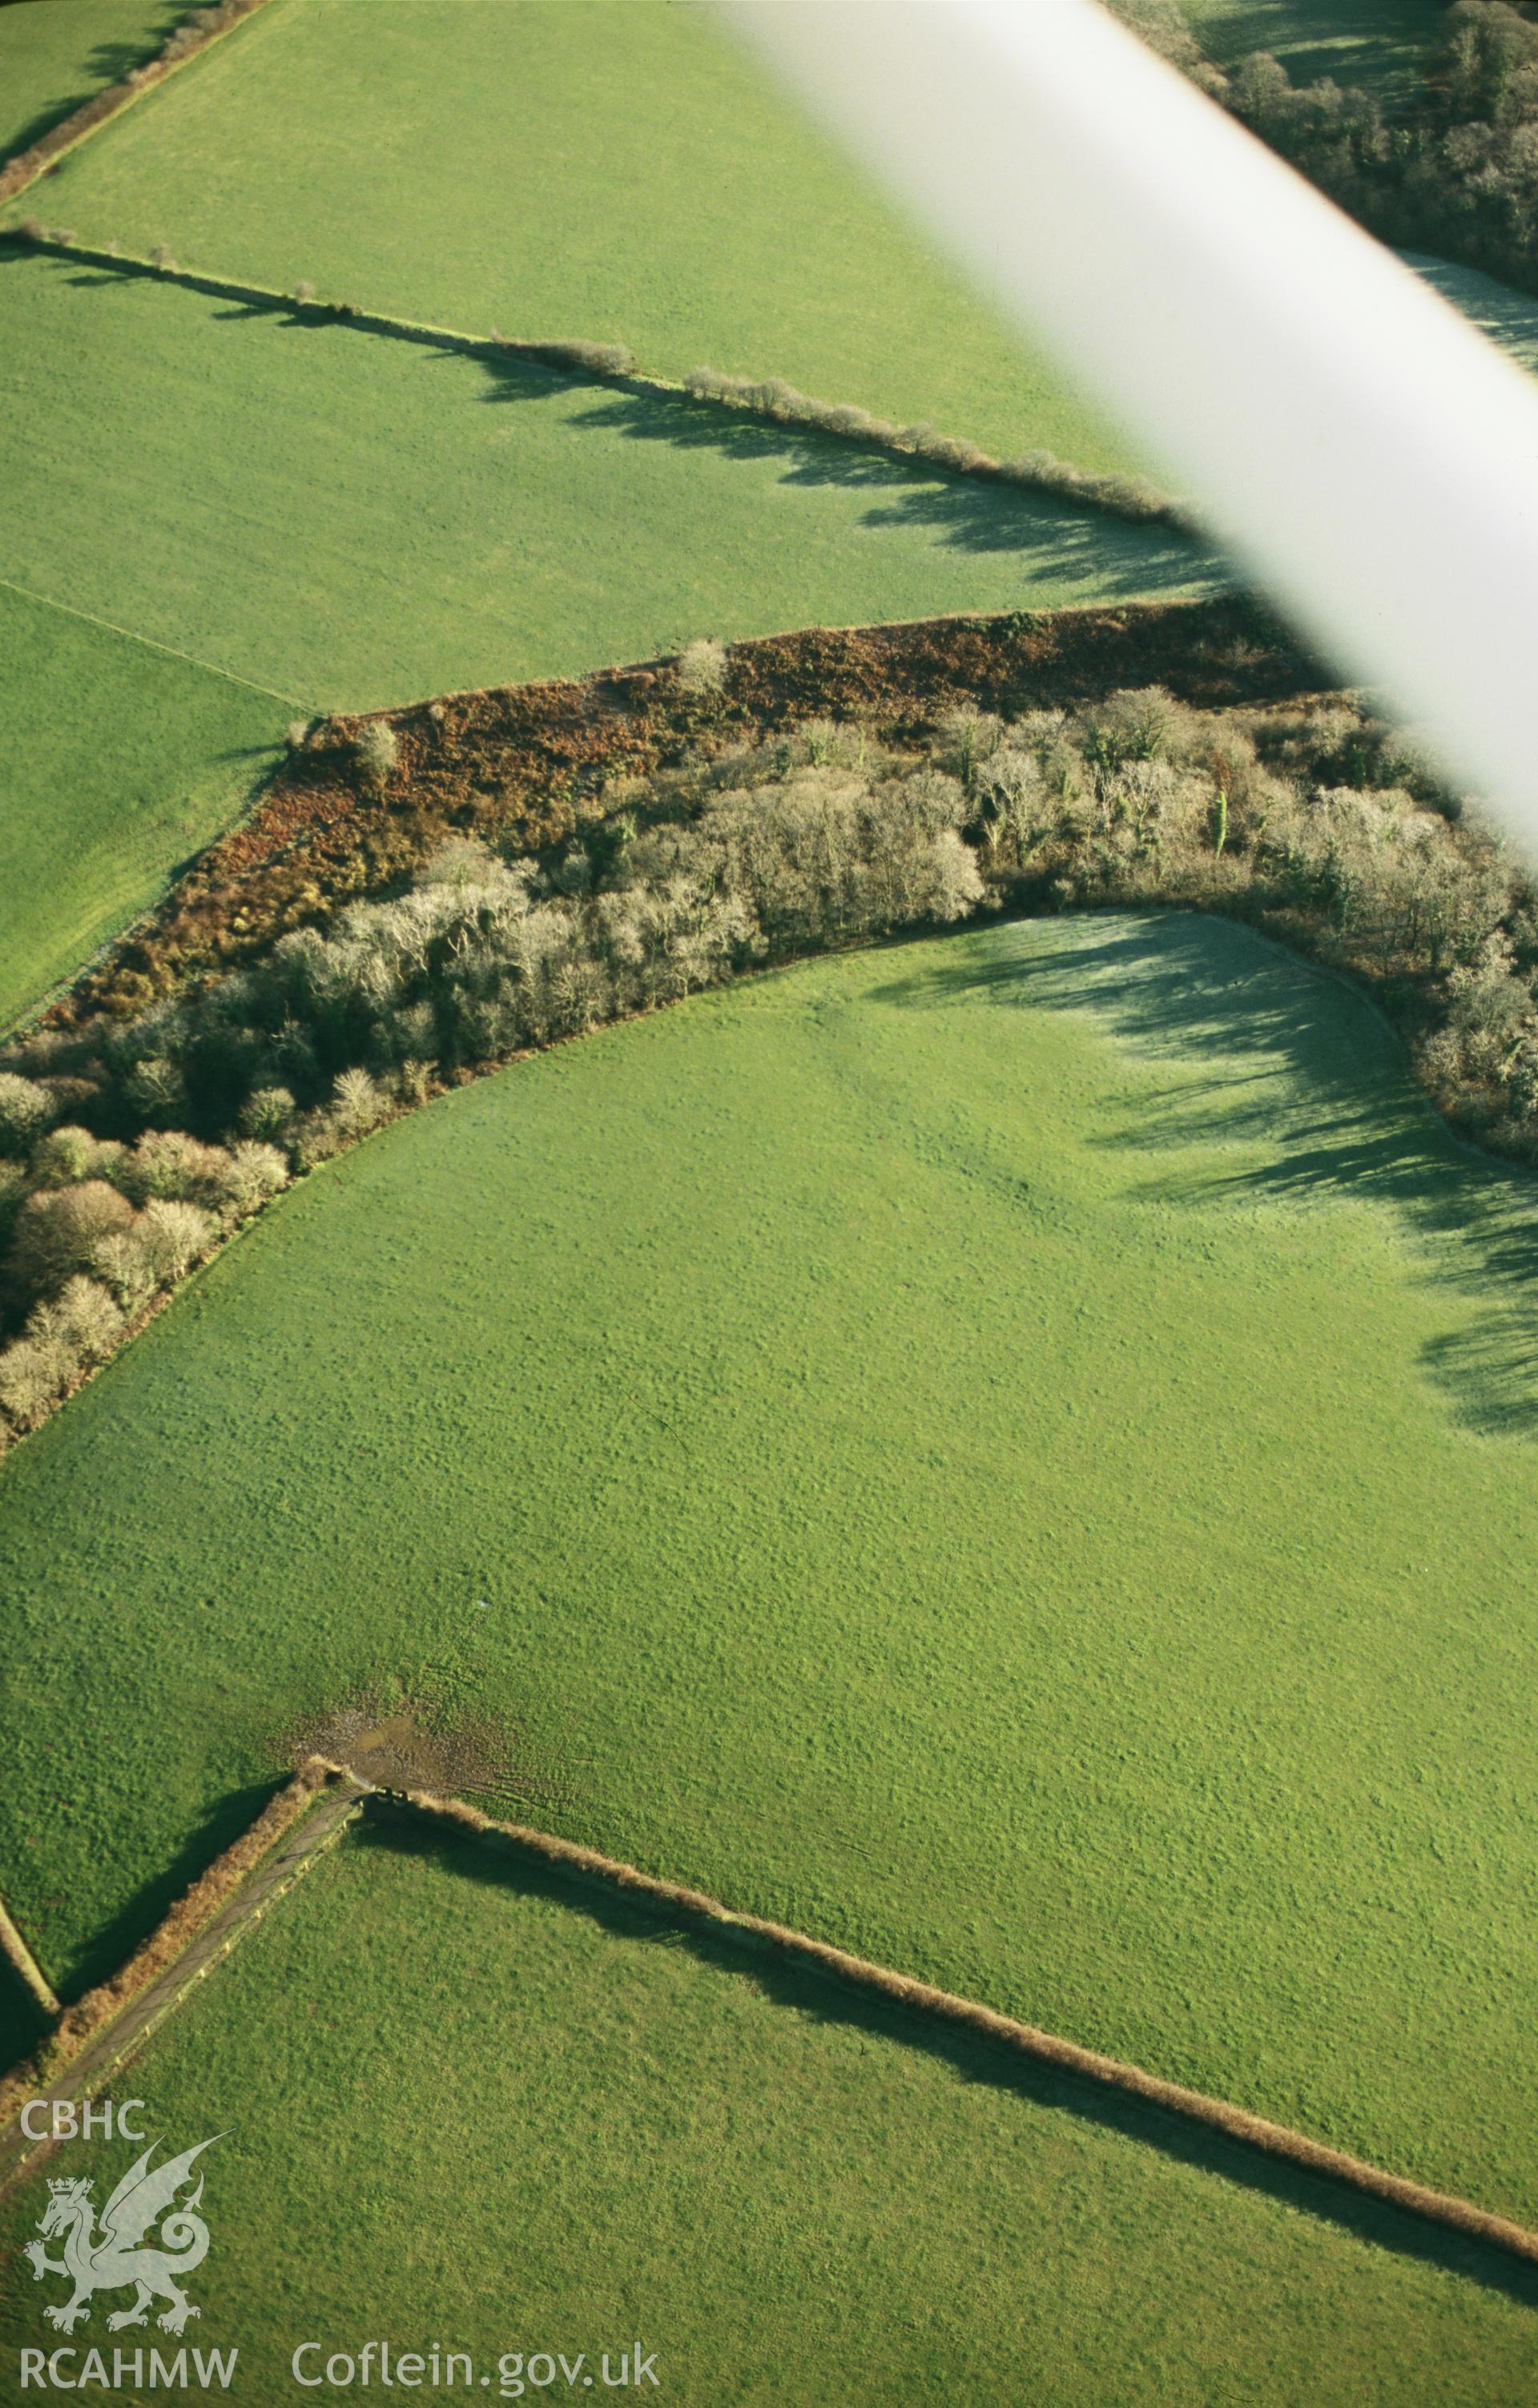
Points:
x=1509 y=317
x=1352 y=41
x=1110 y=558
x=1315 y=1092
x=965 y=513
x=110 y=1949
x=107 y=63
x=23 y=2022
x=820 y=1997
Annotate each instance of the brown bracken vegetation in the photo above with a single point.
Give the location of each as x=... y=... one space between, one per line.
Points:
x=524 y=767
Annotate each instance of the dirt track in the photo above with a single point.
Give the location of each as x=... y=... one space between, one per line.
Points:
x=119 y=2040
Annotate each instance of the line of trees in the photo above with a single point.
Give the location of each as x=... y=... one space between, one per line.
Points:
x=130 y=1145
x=772 y=398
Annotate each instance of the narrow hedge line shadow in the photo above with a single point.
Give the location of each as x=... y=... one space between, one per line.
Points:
x=824 y=1999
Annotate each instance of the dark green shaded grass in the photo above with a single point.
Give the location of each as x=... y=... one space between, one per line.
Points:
x=607 y=168
x=592 y=2130
x=1013 y=1454
x=1508 y=317
x=115 y=762
x=23 y=2022
x=56 y=54
x=356 y=520
x=1381 y=44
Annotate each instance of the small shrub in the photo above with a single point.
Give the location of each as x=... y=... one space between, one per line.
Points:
x=702 y=665
x=378 y=749
x=25 y=1109
x=599 y=359
x=251 y=1176
x=33 y=1375
x=304 y=292
x=298 y=733
x=33 y=230
x=58 y=1230
x=359 y=1104
x=162 y=257
x=267 y=1113
x=175 y=1234
x=82 y=1317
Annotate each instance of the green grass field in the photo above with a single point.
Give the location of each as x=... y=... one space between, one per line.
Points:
x=607 y=168
x=1382 y=44
x=595 y=2130
x=1508 y=317
x=355 y=521
x=1012 y=1451
x=351 y=520
x=56 y=54
x=116 y=761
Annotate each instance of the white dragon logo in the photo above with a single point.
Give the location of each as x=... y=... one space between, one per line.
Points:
x=108 y=2262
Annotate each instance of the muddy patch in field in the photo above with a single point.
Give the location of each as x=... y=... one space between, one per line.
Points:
x=400 y=1744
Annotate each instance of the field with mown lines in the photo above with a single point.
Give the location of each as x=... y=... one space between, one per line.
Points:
x=566 y=167
x=1007 y=1451
x=736 y=2163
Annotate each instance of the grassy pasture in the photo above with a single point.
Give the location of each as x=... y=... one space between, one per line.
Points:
x=56 y=54
x=1381 y=44
x=116 y=761
x=1508 y=317
x=595 y=2128
x=608 y=168
x=1015 y=1452
x=352 y=520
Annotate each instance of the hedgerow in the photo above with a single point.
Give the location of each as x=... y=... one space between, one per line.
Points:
x=131 y=1145
x=772 y=397
x=80 y=2022
x=193 y=34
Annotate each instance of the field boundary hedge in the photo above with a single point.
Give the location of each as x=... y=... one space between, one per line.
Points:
x=1234 y=2123
x=525 y=764
x=98 y=2009
x=188 y=40
x=25 y=1965
x=769 y=401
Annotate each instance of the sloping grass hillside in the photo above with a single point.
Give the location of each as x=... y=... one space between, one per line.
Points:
x=56 y=54
x=597 y=2131
x=977 y=1450
x=115 y=762
x=605 y=168
x=1380 y=44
